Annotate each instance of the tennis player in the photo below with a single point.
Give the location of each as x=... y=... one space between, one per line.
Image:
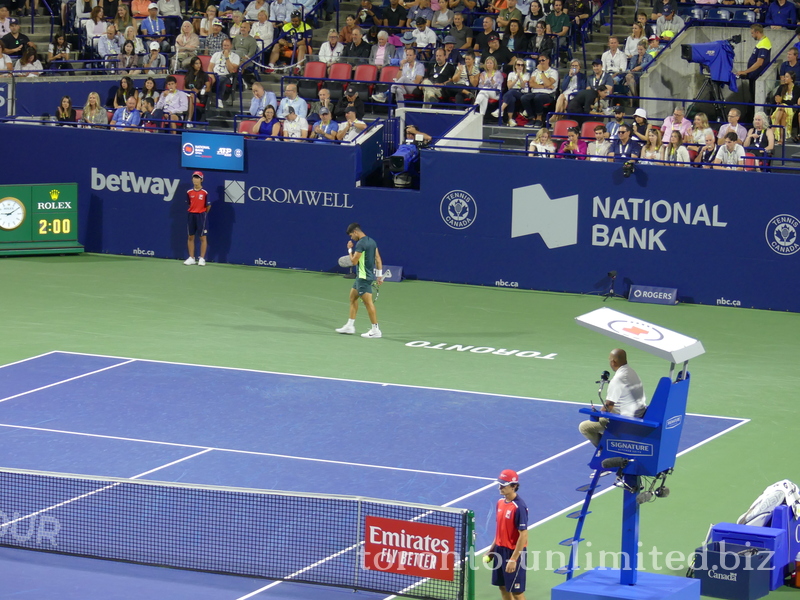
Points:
x=365 y=256
x=199 y=205
x=510 y=539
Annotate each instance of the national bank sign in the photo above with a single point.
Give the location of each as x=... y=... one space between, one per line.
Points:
x=632 y=223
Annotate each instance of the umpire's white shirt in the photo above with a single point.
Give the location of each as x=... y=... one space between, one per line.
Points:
x=626 y=391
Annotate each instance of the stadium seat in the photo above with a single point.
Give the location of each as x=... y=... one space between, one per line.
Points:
x=205 y=60
x=587 y=129
x=750 y=16
x=698 y=13
x=341 y=72
x=560 y=129
x=388 y=73
x=246 y=126
x=78 y=114
x=179 y=78
x=306 y=88
x=718 y=14
x=365 y=73
x=750 y=162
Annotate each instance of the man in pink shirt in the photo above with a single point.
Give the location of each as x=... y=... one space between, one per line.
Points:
x=676 y=123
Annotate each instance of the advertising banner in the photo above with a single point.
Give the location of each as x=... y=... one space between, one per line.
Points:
x=409 y=548
x=212 y=151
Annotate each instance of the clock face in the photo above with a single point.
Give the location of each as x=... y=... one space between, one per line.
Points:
x=12 y=213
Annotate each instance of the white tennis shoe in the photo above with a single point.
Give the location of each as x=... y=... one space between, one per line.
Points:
x=201 y=261
x=372 y=333
x=190 y=261
x=350 y=329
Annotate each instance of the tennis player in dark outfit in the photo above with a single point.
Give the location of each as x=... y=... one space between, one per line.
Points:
x=366 y=258
x=199 y=205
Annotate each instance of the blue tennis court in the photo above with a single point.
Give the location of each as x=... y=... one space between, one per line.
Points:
x=118 y=417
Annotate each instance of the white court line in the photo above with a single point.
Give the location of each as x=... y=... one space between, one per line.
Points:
x=102 y=489
x=11 y=364
x=254 y=452
x=403 y=385
x=44 y=387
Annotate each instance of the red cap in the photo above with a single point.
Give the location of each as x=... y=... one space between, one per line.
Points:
x=508 y=476
x=198 y=174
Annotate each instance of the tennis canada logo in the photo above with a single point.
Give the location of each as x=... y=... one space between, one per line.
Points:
x=458 y=209
x=409 y=548
x=781 y=234
x=637 y=330
x=188 y=149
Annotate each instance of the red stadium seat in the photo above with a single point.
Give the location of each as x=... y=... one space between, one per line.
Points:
x=205 y=60
x=78 y=114
x=246 y=126
x=560 y=129
x=750 y=162
x=388 y=73
x=342 y=72
x=365 y=73
x=308 y=89
x=179 y=78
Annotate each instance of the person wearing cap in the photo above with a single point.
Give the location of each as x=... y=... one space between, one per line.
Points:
x=352 y=100
x=460 y=34
x=598 y=78
x=451 y=55
x=508 y=549
x=619 y=121
x=153 y=27
x=331 y=50
x=382 y=53
x=508 y=13
x=424 y=38
x=294 y=128
x=653 y=45
x=498 y=51
x=213 y=42
x=173 y=103
x=481 y=46
x=636 y=65
x=669 y=21
x=439 y=74
x=261 y=99
x=291 y=99
x=326 y=128
x=292 y=45
x=541 y=99
x=422 y=9
x=128 y=117
x=410 y=76
x=351 y=127
x=625 y=395
x=198 y=204
x=15 y=42
x=358 y=48
x=225 y=64
x=395 y=16
x=154 y=63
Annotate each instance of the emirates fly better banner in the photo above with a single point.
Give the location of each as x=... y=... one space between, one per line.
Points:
x=409 y=548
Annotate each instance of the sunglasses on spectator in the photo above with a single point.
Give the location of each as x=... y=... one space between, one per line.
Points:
x=541 y=60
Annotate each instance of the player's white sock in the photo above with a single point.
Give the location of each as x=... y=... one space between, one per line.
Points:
x=375 y=326
x=351 y=322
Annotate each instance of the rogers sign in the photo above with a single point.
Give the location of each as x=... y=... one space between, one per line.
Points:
x=409 y=548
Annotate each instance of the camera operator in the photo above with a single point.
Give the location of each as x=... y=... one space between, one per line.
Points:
x=625 y=396
x=417 y=137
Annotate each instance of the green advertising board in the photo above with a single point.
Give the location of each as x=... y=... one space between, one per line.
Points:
x=39 y=219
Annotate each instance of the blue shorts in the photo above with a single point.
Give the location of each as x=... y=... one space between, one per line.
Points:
x=513 y=582
x=363 y=286
x=198 y=224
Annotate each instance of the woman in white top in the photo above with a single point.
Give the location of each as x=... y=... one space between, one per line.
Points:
x=442 y=17
x=236 y=24
x=700 y=129
x=29 y=63
x=331 y=50
x=6 y=66
x=633 y=40
x=130 y=35
x=95 y=26
x=205 y=24
x=186 y=45
x=675 y=152
x=262 y=29
x=652 y=150
x=517 y=82
x=255 y=7
x=489 y=84
x=542 y=144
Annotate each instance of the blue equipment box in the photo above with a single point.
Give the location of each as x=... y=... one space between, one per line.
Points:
x=758 y=537
x=732 y=571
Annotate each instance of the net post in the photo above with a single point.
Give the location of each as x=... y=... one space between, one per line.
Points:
x=470 y=555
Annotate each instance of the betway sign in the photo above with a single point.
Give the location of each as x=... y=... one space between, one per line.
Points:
x=556 y=219
x=129 y=182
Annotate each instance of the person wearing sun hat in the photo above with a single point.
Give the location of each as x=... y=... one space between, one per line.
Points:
x=508 y=549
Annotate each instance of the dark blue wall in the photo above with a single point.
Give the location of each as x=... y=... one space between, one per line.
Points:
x=310 y=194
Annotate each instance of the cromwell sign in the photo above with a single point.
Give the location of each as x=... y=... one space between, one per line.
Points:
x=409 y=548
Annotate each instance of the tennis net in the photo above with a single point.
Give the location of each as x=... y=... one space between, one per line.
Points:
x=366 y=544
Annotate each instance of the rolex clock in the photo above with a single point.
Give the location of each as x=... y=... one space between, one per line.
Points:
x=39 y=219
